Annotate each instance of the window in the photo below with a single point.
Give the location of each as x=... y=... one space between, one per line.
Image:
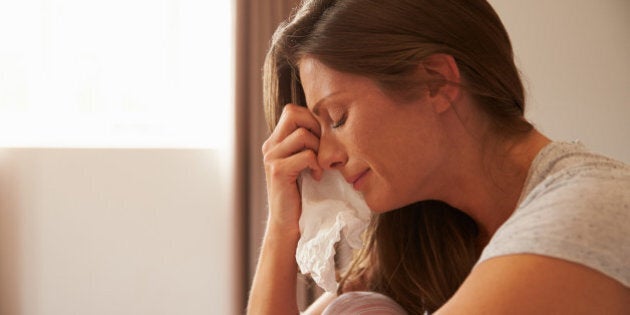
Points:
x=117 y=73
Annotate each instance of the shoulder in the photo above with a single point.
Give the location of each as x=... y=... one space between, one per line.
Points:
x=569 y=170
x=565 y=248
x=567 y=182
x=561 y=164
x=579 y=212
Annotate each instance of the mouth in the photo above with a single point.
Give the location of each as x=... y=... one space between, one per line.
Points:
x=358 y=179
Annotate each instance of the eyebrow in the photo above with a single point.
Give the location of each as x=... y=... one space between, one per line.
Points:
x=317 y=105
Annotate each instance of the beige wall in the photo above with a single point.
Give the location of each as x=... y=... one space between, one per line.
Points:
x=91 y=231
x=575 y=58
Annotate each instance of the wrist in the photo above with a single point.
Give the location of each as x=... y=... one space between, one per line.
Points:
x=282 y=235
x=283 y=230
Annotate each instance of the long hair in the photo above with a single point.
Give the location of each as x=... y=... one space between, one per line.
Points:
x=420 y=254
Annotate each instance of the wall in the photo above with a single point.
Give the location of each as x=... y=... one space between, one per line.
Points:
x=575 y=59
x=99 y=231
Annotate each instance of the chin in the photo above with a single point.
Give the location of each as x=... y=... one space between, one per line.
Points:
x=379 y=206
x=387 y=202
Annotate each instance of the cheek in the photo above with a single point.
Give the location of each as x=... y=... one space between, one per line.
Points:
x=402 y=164
x=388 y=146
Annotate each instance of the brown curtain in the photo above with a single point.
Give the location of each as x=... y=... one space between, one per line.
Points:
x=256 y=21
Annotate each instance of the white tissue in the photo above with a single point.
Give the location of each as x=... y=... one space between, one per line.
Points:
x=328 y=207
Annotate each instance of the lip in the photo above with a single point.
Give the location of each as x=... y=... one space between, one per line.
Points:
x=357 y=180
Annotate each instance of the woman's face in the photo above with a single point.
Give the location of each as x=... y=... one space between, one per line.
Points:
x=390 y=151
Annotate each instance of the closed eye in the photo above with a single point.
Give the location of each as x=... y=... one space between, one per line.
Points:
x=340 y=122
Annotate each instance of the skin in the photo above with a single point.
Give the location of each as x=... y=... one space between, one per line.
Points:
x=437 y=146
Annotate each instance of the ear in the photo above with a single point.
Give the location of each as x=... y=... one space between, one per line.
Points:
x=444 y=80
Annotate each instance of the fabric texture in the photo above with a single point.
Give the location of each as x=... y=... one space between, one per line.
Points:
x=575 y=206
x=364 y=303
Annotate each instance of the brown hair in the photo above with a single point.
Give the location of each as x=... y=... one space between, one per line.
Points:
x=420 y=254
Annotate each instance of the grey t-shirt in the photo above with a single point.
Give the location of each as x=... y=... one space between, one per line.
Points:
x=575 y=206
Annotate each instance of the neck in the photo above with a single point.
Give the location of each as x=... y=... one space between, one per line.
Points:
x=489 y=194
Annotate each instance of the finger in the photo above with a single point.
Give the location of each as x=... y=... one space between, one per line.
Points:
x=289 y=169
x=300 y=140
x=293 y=117
x=310 y=158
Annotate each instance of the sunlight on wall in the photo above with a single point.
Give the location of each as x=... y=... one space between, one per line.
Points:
x=118 y=73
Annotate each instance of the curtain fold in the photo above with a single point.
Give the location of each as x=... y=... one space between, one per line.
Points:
x=256 y=20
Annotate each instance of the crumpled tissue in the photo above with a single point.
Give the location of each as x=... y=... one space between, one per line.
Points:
x=329 y=207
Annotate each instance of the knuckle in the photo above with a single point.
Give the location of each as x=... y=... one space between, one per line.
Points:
x=267 y=157
x=265 y=147
x=287 y=118
x=271 y=168
x=275 y=169
x=289 y=110
x=291 y=107
x=302 y=132
x=293 y=110
x=310 y=154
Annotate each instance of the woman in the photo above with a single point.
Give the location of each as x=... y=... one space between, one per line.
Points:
x=419 y=105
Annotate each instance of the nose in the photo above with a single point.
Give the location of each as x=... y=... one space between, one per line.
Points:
x=331 y=153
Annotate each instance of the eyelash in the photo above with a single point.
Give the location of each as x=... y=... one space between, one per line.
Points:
x=340 y=122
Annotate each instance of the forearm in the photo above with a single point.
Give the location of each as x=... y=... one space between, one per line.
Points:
x=289 y=151
x=274 y=286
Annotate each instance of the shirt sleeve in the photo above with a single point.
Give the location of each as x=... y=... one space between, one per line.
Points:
x=582 y=217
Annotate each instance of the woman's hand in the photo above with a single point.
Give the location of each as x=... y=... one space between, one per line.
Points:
x=291 y=149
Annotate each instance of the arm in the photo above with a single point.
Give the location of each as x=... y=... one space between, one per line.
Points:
x=533 y=284
x=290 y=149
x=274 y=289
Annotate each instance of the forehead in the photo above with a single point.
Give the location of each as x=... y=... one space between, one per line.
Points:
x=320 y=82
x=316 y=81
x=315 y=74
